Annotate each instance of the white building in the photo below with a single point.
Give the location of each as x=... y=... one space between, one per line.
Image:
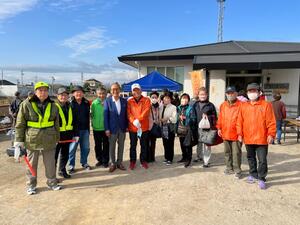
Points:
x=7 y=88
x=274 y=65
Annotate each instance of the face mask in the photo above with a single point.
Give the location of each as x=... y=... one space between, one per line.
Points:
x=202 y=99
x=231 y=98
x=154 y=100
x=252 y=96
x=184 y=101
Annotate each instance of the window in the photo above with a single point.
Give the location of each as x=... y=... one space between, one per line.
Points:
x=162 y=70
x=174 y=73
x=150 y=69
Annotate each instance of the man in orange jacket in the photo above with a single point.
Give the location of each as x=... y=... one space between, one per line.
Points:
x=138 y=110
x=229 y=111
x=256 y=127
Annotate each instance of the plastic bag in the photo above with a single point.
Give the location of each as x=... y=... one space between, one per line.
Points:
x=204 y=123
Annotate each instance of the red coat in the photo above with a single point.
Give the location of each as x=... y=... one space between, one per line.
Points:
x=227 y=120
x=256 y=121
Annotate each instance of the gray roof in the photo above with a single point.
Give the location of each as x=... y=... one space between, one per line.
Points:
x=229 y=47
x=6 y=82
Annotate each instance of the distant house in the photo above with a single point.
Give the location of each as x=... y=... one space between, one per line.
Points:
x=92 y=84
x=7 y=88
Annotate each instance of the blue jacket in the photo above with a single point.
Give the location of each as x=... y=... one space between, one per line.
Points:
x=112 y=121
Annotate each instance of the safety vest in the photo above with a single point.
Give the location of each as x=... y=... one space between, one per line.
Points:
x=43 y=122
x=64 y=125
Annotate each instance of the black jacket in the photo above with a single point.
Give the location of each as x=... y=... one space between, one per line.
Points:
x=82 y=112
x=209 y=109
x=68 y=135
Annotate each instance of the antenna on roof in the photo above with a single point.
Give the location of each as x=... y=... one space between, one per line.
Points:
x=221 y=19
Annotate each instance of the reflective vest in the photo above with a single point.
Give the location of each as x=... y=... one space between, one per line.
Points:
x=43 y=121
x=64 y=125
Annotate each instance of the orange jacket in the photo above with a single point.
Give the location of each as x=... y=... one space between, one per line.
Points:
x=138 y=110
x=256 y=122
x=227 y=120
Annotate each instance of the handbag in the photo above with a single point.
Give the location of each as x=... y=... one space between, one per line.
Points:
x=208 y=137
x=182 y=130
x=156 y=129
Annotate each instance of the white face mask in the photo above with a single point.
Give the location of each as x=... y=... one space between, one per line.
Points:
x=231 y=98
x=154 y=100
x=184 y=101
x=252 y=96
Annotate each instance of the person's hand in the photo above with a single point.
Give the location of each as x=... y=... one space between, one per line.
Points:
x=182 y=117
x=270 y=139
x=220 y=133
x=76 y=138
x=17 y=152
x=240 y=138
x=137 y=123
x=107 y=132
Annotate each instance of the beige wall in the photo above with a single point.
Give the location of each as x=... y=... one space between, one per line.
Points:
x=217 y=87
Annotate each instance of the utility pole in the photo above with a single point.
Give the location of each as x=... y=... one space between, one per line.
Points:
x=82 y=78
x=221 y=19
x=53 y=79
x=22 y=75
x=2 y=77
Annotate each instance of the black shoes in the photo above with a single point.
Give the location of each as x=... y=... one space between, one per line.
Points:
x=182 y=160
x=64 y=174
x=187 y=163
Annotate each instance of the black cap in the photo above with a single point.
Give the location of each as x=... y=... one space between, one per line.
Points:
x=253 y=86
x=62 y=90
x=77 y=88
x=230 y=89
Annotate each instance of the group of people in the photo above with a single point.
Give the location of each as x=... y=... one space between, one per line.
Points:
x=56 y=128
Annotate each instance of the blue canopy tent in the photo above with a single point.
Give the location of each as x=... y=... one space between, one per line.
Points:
x=154 y=81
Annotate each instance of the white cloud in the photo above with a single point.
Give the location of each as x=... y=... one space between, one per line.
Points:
x=84 y=42
x=11 y=8
x=73 y=5
x=64 y=74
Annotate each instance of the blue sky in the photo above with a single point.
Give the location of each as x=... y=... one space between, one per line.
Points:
x=63 y=37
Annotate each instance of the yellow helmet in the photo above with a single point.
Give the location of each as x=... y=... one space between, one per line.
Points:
x=40 y=84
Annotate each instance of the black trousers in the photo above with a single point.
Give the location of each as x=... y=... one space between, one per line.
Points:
x=186 y=150
x=261 y=151
x=143 y=143
x=101 y=147
x=151 y=148
x=169 y=146
x=63 y=149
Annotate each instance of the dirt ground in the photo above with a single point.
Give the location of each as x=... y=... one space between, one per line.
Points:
x=160 y=195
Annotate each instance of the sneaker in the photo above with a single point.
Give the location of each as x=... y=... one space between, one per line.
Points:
x=228 y=172
x=251 y=179
x=206 y=165
x=168 y=163
x=55 y=187
x=71 y=170
x=132 y=165
x=31 y=191
x=87 y=167
x=279 y=142
x=262 y=185
x=64 y=174
x=98 y=164
x=145 y=165
x=165 y=161
x=198 y=160
x=238 y=175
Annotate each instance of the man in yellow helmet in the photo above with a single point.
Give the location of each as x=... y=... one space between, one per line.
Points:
x=37 y=129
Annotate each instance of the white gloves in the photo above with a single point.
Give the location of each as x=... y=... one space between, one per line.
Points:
x=137 y=123
x=76 y=139
x=17 y=153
